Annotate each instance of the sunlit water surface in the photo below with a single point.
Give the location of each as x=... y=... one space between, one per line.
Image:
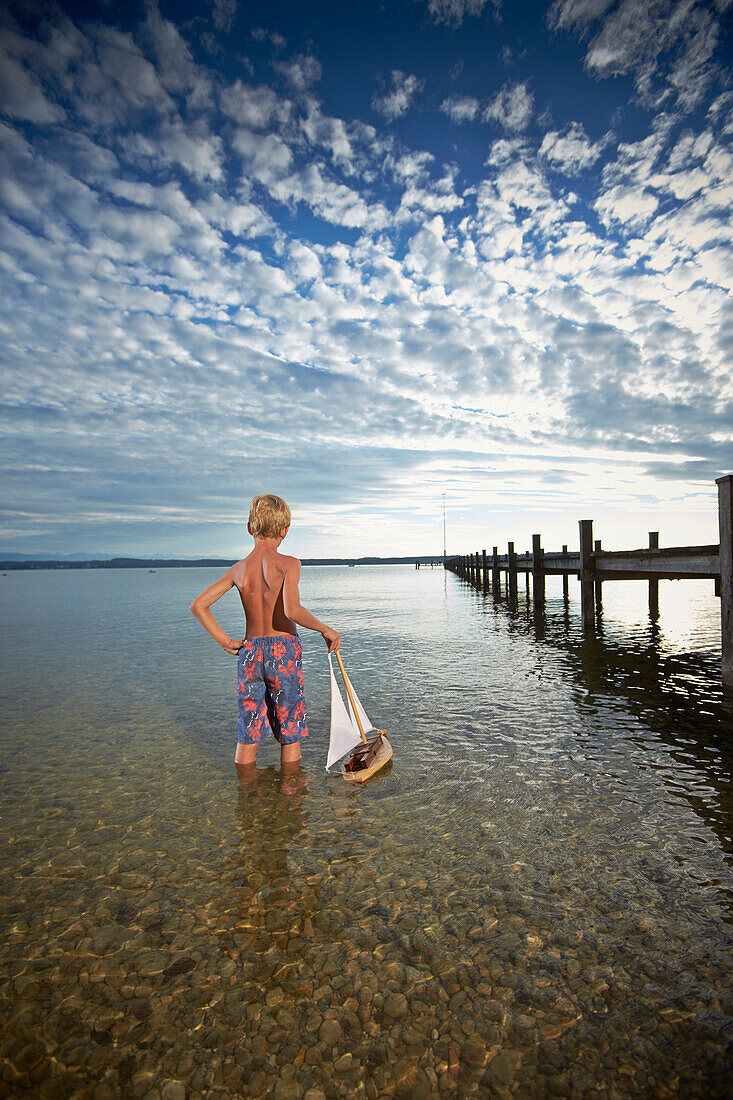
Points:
x=533 y=900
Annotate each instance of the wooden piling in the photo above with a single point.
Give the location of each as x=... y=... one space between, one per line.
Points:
x=538 y=569
x=654 y=585
x=484 y=574
x=725 y=521
x=495 y=574
x=479 y=575
x=565 y=594
x=598 y=584
x=587 y=609
x=511 y=571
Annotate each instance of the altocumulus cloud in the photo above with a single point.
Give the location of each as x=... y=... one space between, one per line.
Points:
x=241 y=257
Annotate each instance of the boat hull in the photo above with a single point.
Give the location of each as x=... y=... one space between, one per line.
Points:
x=384 y=754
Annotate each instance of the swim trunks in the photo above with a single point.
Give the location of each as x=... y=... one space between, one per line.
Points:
x=270 y=679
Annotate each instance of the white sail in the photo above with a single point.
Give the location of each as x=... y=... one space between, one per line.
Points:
x=344 y=732
x=366 y=724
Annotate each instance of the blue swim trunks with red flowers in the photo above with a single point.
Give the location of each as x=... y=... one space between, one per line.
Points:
x=270 y=678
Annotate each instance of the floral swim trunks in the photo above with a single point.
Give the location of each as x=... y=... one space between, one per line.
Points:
x=270 y=679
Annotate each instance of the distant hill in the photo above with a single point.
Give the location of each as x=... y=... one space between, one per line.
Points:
x=12 y=562
x=44 y=557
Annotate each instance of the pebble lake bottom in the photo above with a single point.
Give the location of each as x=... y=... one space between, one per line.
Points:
x=533 y=900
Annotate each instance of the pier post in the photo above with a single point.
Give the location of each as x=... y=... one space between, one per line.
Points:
x=565 y=577
x=473 y=569
x=725 y=520
x=654 y=585
x=511 y=562
x=598 y=584
x=495 y=574
x=538 y=569
x=587 y=609
x=479 y=577
x=484 y=574
x=470 y=568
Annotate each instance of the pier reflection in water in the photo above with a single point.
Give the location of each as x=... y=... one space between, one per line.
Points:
x=534 y=900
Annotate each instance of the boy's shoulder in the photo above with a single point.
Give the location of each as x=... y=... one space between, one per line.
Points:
x=287 y=561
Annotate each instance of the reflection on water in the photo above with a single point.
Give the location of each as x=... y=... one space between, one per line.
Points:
x=533 y=901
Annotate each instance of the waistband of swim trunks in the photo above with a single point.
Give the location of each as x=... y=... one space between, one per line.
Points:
x=270 y=639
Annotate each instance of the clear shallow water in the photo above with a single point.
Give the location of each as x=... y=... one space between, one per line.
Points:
x=534 y=900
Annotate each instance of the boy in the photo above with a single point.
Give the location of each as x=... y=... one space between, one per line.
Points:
x=270 y=672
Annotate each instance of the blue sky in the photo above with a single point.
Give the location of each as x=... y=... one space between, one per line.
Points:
x=363 y=255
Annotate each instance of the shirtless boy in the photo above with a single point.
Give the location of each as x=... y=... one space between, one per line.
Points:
x=270 y=673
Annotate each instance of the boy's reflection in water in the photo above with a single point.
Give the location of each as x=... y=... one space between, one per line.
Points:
x=274 y=909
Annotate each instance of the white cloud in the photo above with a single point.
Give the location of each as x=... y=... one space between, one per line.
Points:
x=199 y=153
x=577 y=13
x=224 y=12
x=243 y=218
x=454 y=12
x=332 y=201
x=259 y=34
x=646 y=39
x=176 y=68
x=395 y=102
x=256 y=107
x=301 y=71
x=460 y=108
x=569 y=151
x=328 y=133
x=413 y=165
x=266 y=156
x=120 y=80
x=20 y=93
x=512 y=107
x=626 y=206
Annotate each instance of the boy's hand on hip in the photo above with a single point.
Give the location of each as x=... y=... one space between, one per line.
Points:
x=332 y=639
x=232 y=646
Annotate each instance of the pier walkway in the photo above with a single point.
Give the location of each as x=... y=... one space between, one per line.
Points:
x=593 y=565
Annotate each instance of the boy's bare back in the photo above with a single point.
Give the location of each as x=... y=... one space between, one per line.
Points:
x=260 y=579
x=267 y=582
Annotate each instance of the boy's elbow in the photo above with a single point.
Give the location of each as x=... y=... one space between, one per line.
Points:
x=194 y=607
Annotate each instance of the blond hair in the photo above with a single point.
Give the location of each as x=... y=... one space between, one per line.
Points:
x=268 y=515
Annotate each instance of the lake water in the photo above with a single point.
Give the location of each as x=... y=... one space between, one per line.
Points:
x=534 y=899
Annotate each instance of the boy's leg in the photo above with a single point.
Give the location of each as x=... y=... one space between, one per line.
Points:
x=245 y=754
x=251 y=692
x=285 y=699
x=290 y=754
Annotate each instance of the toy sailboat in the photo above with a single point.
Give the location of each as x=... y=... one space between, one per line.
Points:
x=349 y=729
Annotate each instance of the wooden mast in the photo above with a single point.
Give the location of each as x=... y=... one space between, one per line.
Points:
x=351 y=697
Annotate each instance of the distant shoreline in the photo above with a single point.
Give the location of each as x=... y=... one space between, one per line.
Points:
x=203 y=563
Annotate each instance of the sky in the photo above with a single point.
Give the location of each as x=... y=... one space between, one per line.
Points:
x=368 y=257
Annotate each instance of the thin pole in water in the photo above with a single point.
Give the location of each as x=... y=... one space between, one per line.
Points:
x=444 y=529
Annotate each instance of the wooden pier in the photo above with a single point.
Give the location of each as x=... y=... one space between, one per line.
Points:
x=593 y=566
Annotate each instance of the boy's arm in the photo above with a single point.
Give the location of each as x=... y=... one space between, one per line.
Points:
x=200 y=608
x=294 y=609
